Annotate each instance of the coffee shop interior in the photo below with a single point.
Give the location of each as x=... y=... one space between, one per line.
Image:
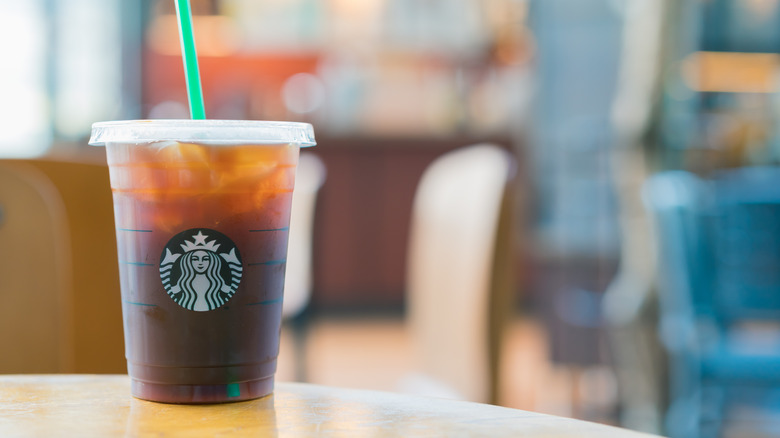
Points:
x=563 y=206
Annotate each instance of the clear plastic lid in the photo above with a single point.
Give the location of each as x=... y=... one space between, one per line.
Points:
x=203 y=131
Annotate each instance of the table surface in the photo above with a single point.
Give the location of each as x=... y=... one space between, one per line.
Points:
x=101 y=405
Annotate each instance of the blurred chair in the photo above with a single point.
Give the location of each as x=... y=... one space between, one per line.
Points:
x=719 y=276
x=59 y=285
x=310 y=175
x=459 y=273
x=35 y=292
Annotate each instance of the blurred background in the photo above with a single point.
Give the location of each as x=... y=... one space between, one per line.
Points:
x=611 y=277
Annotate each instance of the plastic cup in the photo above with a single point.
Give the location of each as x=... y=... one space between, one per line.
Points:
x=202 y=212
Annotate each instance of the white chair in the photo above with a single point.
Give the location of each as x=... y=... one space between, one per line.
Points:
x=458 y=273
x=309 y=177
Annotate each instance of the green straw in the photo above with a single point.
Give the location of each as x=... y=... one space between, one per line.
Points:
x=190 y=57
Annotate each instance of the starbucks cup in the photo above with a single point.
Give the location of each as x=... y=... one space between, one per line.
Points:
x=202 y=214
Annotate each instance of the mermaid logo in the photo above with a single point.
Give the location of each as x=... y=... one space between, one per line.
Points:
x=200 y=269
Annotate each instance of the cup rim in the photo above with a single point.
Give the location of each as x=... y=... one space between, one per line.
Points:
x=209 y=131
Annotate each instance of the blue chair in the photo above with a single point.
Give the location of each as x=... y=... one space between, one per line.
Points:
x=719 y=275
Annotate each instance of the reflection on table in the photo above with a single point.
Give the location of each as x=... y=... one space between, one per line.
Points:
x=91 y=405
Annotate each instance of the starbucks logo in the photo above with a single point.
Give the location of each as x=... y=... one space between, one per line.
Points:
x=200 y=269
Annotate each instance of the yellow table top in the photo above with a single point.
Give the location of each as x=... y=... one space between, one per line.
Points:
x=101 y=405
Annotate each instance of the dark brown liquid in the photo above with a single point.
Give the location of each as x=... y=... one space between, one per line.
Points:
x=180 y=355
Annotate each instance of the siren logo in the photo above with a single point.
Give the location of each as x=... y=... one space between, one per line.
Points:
x=200 y=269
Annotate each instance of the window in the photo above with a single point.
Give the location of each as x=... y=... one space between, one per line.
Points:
x=61 y=71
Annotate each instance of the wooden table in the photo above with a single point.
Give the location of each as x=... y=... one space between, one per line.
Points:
x=101 y=405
